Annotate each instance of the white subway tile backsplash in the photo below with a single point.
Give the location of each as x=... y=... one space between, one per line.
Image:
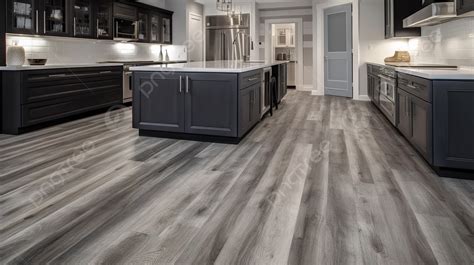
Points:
x=450 y=43
x=67 y=50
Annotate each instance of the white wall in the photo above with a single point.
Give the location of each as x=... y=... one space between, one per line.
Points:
x=181 y=9
x=77 y=51
x=372 y=43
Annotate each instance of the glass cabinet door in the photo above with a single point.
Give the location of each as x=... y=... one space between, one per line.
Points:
x=104 y=22
x=155 y=35
x=55 y=17
x=82 y=18
x=281 y=37
x=166 y=30
x=142 y=26
x=22 y=16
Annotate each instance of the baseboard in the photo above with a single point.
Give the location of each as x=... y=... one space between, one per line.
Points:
x=317 y=93
x=363 y=98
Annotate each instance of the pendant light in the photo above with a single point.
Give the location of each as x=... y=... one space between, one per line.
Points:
x=224 y=5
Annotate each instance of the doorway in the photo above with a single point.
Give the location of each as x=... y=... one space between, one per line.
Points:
x=284 y=41
x=284 y=48
x=338 y=74
x=195 y=38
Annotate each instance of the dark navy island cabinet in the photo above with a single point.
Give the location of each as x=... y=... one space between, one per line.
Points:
x=220 y=107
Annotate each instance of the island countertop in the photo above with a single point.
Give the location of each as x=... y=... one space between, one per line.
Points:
x=209 y=67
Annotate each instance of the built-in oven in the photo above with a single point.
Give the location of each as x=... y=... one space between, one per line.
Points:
x=266 y=89
x=387 y=97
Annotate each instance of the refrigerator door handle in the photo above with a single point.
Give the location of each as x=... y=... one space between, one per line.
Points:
x=223 y=46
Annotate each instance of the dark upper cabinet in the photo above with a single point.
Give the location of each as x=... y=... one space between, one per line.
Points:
x=395 y=12
x=166 y=28
x=55 y=17
x=89 y=19
x=464 y=6
x=22 y=16
x=104 y=19
x=143 y=26
x=38 y=17
x=155 y=28
x=82 y=18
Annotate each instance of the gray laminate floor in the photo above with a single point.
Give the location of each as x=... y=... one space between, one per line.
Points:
x=325 y=181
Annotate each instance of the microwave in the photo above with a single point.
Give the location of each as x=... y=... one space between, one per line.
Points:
x=125 y=29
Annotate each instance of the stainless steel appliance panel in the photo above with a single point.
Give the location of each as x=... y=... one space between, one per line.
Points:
x=234 y=21
x=228 y=37
x=127 y=87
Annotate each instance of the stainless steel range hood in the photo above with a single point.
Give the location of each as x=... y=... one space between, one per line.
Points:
x=433 y=14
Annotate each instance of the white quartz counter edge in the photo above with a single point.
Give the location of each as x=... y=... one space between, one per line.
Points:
x=56 y=66
x=435 y=74
x=439 y=74
x=189 y=67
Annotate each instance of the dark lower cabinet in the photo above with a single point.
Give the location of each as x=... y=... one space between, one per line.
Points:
x=464 y=6
x=190 y=103
x=454 y=124
x=211 y=104
x=283 y=81
x=196 y=105
x=415 y=119
x=249 y=108
x=415 y=122
x=159 y=103
x=38 y=97
x=373 y=83
x=404 y=117
x=421 y=127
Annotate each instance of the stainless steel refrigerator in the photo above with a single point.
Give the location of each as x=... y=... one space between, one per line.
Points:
x=228 y=37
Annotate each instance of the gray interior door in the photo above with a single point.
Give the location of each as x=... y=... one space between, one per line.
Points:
x=338 y=51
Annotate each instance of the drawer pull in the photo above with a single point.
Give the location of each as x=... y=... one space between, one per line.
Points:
x=105 y=72
x=58 y=75
x=252 y=79
x=413 y=87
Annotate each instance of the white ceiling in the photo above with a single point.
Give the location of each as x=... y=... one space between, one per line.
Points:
x=262 y=1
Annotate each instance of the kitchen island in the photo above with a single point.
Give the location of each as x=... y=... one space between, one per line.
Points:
x=217 y=101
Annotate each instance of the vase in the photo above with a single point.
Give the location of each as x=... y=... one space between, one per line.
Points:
x=15 y=55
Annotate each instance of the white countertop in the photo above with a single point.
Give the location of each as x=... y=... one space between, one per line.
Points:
x=439 y=74
x=209 y=67
x=435 y=74
x=55 y=66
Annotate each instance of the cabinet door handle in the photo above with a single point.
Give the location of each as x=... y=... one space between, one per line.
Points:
x=74 y=30
x=44 y=22
x=97 y=28
x=37 y=21
x=180 y=84
x=187 y=84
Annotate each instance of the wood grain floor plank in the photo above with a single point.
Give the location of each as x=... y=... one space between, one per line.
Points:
x=365 y=195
